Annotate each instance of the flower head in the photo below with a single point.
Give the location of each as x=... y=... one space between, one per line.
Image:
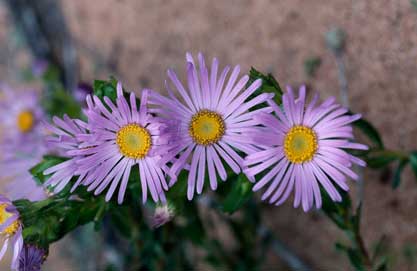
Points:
x=10 y=230
x=211 y=117
x=31 y=258
x=21 y=143
x=21 y=112
x=163 y=214
x=120 y=136
x=305 y=148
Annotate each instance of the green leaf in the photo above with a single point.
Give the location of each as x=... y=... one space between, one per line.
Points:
x=379 y=248
x=413 y=162
x=370 y=131
x=106 y=88
x=381 y=158
x=409 y=252
x=356 y=259
x=47 y=162
x=240 y=193
x=397 y=174
x=338 y=212
x=49 y=220
x=179 y=189
x=123 y=220
x=382 y=266
x=194 y=229
x=58 y=102
x=269 y=84
x=341 y=247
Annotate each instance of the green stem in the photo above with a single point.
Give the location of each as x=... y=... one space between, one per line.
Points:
x=360 y=244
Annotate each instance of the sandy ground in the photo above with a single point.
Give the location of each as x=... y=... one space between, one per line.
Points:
x=138 y=40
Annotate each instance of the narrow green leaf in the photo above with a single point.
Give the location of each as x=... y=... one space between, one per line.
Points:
x=413 y=162
x=47 y=162
x=397 y=174
x=379 y=248
x=179 y=189
x=338 y=212
x=382 y=158
x=341 y=247
x=241 y=192
x=382 y=266
x=269 y=84
x=370 y=131
x=356 y=259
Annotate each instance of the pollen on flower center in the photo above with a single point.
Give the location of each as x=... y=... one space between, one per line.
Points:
x=25 y=121
x=4 y=215
x=300 y=144
x=134 y=141
x=206 y=127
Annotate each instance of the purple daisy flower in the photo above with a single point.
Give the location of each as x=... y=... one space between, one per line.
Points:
x=212 y=116
x=31 y=258
x=22 y=142
x=307 y=148
x=120 y=137
x=67 y=135
x=10 y=230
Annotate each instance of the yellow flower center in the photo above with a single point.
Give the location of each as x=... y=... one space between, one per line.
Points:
x=25 y=121
x=4 y=215
x=206 y=127
x=134 y=141
x=300 y=144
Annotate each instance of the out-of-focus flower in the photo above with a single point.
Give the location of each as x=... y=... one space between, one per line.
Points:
x=10 y=230
x=82 y=91
x=163 y=214
x=117 y=140
x=306 y=147
x=39 y=67
x=21 y=142
x=212 y=116
x=31 y=258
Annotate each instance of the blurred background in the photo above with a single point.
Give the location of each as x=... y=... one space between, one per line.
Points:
x=136 y=41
